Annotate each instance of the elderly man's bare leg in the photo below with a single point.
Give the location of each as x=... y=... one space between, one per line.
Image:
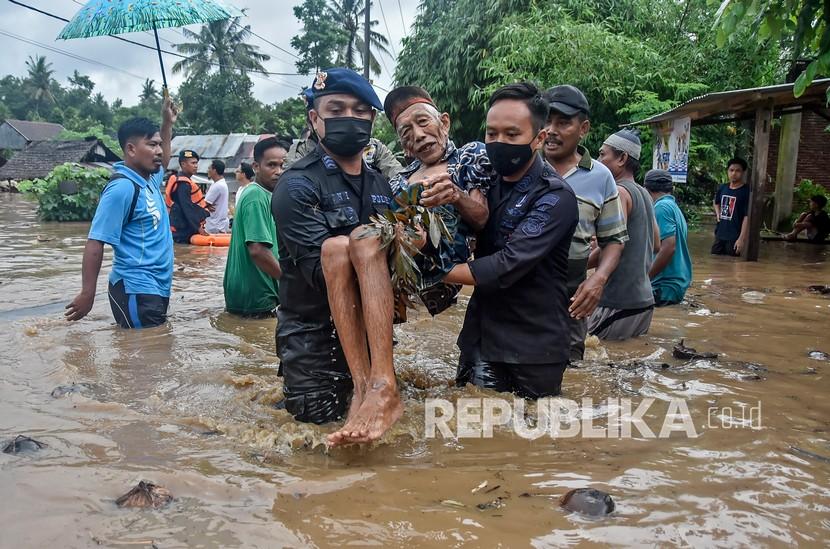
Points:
x=381 y=406
x=347 y=312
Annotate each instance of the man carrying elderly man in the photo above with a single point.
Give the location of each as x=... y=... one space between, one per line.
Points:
x=453 y=181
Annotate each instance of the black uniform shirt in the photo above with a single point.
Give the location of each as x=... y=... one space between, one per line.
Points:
x=518 y=313
x=314 y=200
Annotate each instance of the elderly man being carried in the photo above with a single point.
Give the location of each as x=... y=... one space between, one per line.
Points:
x=451 y=182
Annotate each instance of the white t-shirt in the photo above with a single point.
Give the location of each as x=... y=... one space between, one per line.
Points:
x=217 y=195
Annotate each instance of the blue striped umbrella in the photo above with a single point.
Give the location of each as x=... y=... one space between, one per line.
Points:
x=109 y=17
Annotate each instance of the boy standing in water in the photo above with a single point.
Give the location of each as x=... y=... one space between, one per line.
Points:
x=131 y=218
x=731 y=208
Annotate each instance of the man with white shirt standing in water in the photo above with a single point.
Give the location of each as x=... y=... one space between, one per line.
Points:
x=217 y=200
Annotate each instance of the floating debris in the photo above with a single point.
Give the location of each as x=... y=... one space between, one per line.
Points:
x=819 y=355
x=452 y=503
x=753 y=297
x=588 y=501
x=688 y=353
x=819 y=288
x=479 y=487
x=808 y=454
x=41 y=238
x=497 y=503
x=145 y=495
x=75 y=388
x=23 y=444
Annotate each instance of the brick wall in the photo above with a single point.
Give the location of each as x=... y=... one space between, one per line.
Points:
x=813 y=151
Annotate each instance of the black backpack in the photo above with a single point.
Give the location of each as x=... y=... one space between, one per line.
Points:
x=136 y=190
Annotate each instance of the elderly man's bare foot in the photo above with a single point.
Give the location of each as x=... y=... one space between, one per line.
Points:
x=337 y=437
x=380 y=409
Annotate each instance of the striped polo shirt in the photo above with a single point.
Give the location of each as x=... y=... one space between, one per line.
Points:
x=600 y=209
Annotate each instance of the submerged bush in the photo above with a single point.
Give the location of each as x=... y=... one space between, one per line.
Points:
x=69 y=193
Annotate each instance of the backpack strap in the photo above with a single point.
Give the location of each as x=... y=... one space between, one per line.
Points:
x=136 y=190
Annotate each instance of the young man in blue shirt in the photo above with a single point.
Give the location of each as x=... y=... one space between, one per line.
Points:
x=132 y=218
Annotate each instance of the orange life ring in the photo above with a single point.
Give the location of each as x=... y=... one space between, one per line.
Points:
x=218 y=240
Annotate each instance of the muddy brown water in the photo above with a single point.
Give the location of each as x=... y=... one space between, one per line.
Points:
x=188 y=406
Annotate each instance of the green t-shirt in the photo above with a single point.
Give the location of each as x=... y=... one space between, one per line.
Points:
x=247 y=289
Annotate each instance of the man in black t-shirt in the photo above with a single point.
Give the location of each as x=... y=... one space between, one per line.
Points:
x=732 y=211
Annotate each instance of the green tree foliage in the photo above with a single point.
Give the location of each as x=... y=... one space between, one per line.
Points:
x=800 y=27
x=149 y=92
x=217 y=103
x=221 y=43
x=212 y=104
x=39 y=82
x=632 y=58
x=55 y=205
x=334 y=29
x=349 y=16
x=285 y=119
x=317 y=43
x=445 y=50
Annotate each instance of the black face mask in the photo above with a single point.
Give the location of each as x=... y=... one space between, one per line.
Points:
x=346 y=136
x=508 y=158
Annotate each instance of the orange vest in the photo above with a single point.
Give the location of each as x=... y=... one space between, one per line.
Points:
x=195 y=192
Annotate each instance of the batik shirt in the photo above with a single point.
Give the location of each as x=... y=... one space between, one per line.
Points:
x=469 y=169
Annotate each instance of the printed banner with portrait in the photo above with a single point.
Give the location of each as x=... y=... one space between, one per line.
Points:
x=671 y=147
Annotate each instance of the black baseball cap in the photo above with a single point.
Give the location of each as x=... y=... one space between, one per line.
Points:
x=567 y=100
x=187 y=153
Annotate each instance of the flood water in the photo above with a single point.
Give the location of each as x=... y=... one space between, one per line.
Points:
x=190 y=406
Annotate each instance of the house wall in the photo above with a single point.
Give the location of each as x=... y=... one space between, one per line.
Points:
x=813 y=151
x=10 y=138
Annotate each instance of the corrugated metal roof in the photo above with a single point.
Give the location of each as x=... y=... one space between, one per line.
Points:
x=230 y=148
x=733 y=103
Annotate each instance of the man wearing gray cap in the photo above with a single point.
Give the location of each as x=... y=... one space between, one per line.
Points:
x=600 y=213
x=627 y=303
x=671 y=272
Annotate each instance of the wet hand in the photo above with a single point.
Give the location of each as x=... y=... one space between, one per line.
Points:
x=79 y=307
x=586 y=298
x=739 y=246
x=439 y=190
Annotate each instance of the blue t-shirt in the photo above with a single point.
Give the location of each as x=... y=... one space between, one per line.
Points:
x=675 y=279
x=143 y=246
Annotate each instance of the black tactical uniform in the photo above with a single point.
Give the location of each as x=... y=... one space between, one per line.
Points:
x=515 y=334
x=315 y=200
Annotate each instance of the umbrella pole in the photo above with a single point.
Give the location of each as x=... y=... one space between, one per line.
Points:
x=161 y=61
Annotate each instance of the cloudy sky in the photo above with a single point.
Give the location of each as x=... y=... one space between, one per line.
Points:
x=24 y=33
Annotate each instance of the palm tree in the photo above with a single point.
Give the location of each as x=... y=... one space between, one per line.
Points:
x=39 y=82
x=149 y=92
x=219 y=43
x=348 y=16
